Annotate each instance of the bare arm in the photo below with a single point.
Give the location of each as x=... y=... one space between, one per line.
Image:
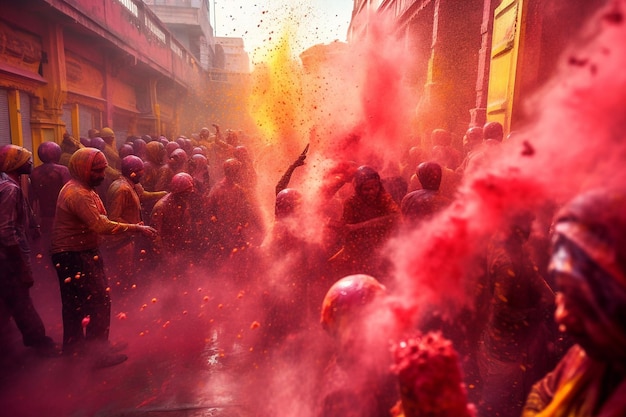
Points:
x=284 y=180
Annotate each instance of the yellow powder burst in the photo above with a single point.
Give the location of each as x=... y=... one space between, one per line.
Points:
x=276 y=99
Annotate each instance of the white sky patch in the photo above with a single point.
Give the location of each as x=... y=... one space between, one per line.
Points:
x=261 y=23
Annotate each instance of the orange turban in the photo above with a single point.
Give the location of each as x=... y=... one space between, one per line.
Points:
x=12 y=157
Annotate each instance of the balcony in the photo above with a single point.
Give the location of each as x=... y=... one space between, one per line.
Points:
x=131 y=26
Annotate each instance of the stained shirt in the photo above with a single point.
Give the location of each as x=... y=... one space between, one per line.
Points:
x=80 y=218
x=113 y=157
x=150 y=176
x=421 y=205
x=235 y=220
x=123 y=206
x=518 y=309
x=47 y=181
x=361 y=242
x=123 y=202
x=14 y=215
x=173 y=218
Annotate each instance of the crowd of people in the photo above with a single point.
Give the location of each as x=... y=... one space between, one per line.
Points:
x=99 y=209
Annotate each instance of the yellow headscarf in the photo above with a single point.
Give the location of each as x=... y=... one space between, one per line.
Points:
x=154 y=152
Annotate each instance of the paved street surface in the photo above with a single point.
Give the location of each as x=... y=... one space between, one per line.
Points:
x=192 y=351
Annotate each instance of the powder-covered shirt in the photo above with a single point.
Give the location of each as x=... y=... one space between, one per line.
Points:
x=80 y=218
x=15 y=218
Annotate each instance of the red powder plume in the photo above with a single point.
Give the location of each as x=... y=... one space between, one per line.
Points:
x=575 y=142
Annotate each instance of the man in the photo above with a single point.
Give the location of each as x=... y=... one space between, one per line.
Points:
x=199 y=170
x=350 y=386
x=447 y=156
x=248 y=178
x=218 y=151
x=176 y=163
x=294 y=263
x=124 y=198
x=93 y=133
x=110 y=148
x=123 y=201
x=493 y=133
x=155 y=156
x=174 y=217
x=516 y=345
x=474 y=150
x=47 y=180
x=420 y=205
x=69 y=145
x=235 y=221
x=80 y=218
x=16 y=277
x=589 y=264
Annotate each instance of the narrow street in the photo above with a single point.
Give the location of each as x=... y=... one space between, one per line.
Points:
x=191 y=352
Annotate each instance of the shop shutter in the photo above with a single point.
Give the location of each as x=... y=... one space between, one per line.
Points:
x=25 y=116
x=86 y=120
x=67 y=119
x=5 y=128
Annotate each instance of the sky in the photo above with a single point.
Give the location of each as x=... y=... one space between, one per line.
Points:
x=262 y=23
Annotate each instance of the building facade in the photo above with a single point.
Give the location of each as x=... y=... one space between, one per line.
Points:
x=189 y=21
x=476 y=60
x=235 y=58
x=73 y=65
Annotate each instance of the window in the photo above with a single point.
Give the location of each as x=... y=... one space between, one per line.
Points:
x=27 y=134
x=67 y=118
x=89 y=118
x=5 y=120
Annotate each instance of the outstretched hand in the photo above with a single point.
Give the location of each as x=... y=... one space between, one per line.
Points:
x=148 y=231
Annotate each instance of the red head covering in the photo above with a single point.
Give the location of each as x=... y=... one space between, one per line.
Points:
x=83 y=161
x=155 y=151
x=346 y=298
x=49 y=152
x=181 y=182
x=12 y=157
